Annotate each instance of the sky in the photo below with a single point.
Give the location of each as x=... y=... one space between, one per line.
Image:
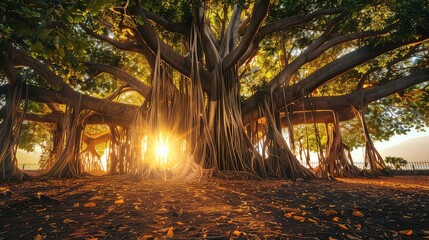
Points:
x=396 y=140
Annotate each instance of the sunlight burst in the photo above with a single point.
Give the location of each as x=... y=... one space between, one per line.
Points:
x=162 y=150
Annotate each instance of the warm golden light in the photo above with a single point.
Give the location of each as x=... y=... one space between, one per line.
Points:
x=161 y=151
x=103 y=159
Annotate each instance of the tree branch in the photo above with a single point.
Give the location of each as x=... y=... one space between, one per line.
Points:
x=128 y=46
x=284 y=24
x=134 y=83
x=107 y=111
x=322 y=75
x=317 y=48
x=7 y=67
x=169 y=26
x=150 y=37
x=294 y=21
x=20 y=58
x=258 y=15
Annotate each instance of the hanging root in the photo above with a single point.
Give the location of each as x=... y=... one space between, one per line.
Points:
x=173 y=121
x=338 y=161
x=9 y=133
x=68 y=164
x=372 y=156
x=281 y=161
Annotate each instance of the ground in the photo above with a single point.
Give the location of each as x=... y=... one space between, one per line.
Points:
x=124 y=207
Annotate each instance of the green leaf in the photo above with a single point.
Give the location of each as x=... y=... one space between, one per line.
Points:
x=56 y=42
x=61 y=52
x=43 y=34
x=37 y=46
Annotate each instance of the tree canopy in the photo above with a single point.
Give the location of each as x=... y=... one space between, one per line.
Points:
x=237 y=87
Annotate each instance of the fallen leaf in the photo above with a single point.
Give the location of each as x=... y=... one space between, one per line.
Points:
x=291 y=209
x=408 y=232
x=178 y=213
x=426 y=232
x=343 y=226
x=336 y=219
x=122 y=228
x=145 y=237
x=357 y=213
x=170 y=233
x=76 y=205
x=119 y=201
x=236 y=233
x=90 y=204
x=351 y=237
x=68 y=221
x=330 y=212
x=39 y=237
x=287 y=215
x=96 y=198
x=299 y=218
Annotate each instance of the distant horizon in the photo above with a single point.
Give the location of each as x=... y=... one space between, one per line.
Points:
x=357 y=154
x=398 y=139
x=395 y=141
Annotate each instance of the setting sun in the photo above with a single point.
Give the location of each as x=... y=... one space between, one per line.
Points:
x=162 y=150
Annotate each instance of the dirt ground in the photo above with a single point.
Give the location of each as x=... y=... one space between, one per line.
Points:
x=124 y=207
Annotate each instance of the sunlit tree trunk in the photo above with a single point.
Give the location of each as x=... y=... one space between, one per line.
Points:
x=9 y=133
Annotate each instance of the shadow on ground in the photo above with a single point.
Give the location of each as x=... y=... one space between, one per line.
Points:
x=124 y=207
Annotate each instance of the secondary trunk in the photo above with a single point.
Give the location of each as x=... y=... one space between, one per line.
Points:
x=9 y=133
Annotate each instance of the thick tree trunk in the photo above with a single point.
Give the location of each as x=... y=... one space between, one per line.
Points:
x=68 y=164
x=281 y=161
x=225 y=125
x=372 y=156
x=338 y=161
x=9 y=133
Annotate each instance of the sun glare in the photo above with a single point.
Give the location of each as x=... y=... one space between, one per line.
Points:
x=161 y=150
x=103 y=159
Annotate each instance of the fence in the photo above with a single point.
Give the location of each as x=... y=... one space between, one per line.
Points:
x=361 y=165
x=29 y=166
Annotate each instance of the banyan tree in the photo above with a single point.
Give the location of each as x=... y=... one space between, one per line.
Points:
x=191 y=89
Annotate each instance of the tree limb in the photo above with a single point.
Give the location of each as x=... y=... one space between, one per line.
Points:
x=317 y=48
x=169 y=26
x=150 y=37
x=134 y=83
x=7 y=67
x=322 y=75
x=258 y=15
x=20 y=58
x=128 y=46
x=284 y=24
x=107 y=111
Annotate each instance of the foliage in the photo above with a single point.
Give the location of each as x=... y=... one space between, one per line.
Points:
x=397 y=162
